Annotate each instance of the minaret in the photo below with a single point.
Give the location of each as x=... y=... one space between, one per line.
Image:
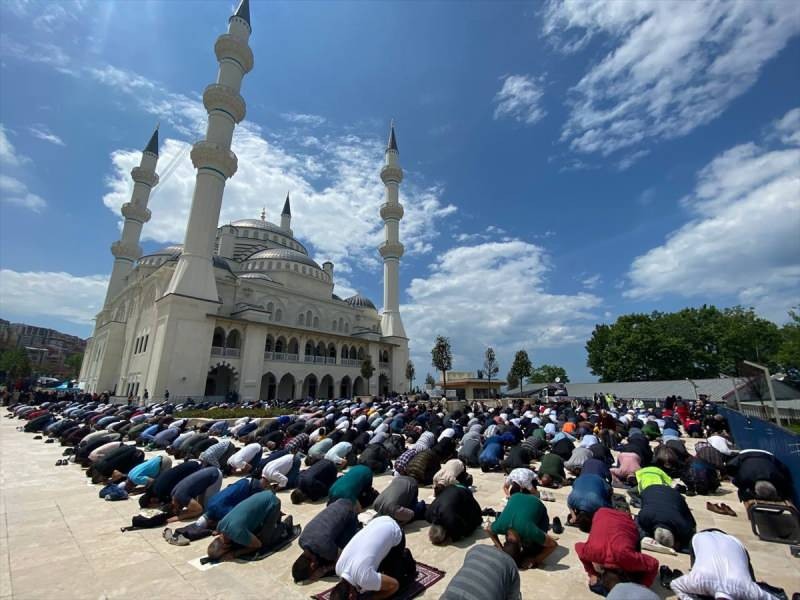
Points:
x=391 y=250
x=286 y=216
x=126 y=251
x=214 y=161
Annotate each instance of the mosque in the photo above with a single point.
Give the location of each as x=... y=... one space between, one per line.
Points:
x=242 y=307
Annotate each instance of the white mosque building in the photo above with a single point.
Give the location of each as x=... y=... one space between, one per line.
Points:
x=240 y=308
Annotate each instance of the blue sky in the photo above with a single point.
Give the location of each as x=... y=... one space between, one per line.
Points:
x=565 y=163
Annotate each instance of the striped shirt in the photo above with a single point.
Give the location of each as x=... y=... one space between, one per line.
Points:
x=212 y=455
x=486 y=573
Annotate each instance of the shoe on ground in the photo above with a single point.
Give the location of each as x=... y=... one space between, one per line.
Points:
x=558 y=528
x=665 y=576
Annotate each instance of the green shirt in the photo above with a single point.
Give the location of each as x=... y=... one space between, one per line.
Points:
x=651 y=476
x=526 y=515
x=351 y=484
x=247 y=518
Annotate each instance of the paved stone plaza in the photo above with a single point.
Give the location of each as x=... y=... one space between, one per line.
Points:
x=59 y=540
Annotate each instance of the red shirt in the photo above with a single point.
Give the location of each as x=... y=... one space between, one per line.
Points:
x=613 y=543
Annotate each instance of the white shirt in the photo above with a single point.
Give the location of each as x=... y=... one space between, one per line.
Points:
x=362 y=556
x=721 y=444
x=276 y=470
x=244 y=456
x=720 y=570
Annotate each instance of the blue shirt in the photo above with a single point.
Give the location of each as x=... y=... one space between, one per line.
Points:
x=589 y=492
x=492 y=450
x=225 y=500
x=149 y=469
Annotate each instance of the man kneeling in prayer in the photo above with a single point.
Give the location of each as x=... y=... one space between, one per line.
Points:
x=375 y=560
x=323 y=538
x=252 y=526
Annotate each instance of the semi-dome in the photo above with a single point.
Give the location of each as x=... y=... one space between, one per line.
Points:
x=359 y=301
x=284 y=254
x=167 y=250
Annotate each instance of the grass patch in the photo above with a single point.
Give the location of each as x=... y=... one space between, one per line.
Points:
x=793 y=427
x=235 y=413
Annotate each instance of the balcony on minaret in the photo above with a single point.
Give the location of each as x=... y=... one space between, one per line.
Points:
x=391 y=249
x=391 y=174
x=121 y=250
x=392 y=210
x=135 y=212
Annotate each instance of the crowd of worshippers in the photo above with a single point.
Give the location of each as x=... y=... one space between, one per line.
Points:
x=331 y=450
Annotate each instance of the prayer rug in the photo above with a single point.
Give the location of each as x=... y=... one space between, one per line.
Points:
x=426 y=577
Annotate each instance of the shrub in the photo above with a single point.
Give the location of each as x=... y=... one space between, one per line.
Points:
x=235 y=413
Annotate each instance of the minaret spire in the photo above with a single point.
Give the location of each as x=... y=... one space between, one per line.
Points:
x=152 y=145
x=286 y=215
x=214 y=161
x=126 y=251
x=391 y=250
x=264 y=214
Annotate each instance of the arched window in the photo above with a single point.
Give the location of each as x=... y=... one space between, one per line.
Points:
x=308 y=318
x=345 y=352
x=269 y=344
x=353 y=354
x=234 y=339
x=333 y=326
x=301 y=320
x=316 y=322
x=278 y=315
x=280 y=344
x=360 y=354
x=347 y=327
x=309 y=351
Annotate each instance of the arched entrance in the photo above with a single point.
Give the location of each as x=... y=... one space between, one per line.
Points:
x=310 y=386
x=359 y=386
x=221 y=380
x=268 y=387
x=326 y=388
x=345 y=387
x=286 y=387
x=383 y=385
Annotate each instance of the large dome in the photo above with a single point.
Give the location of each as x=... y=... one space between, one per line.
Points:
x=284 y=254
x=258 y=224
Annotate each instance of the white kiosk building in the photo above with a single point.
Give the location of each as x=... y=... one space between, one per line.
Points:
x=240 y=308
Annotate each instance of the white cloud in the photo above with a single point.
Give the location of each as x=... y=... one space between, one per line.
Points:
x=37 y=52
x=742 y=241
x=56 y=294
x=788 y=127
x=304 y=119
x=12 y=189
x=333 y=180
x=9 y=157
x=43 y=133
x=672 y=66
x=492 y=294
x=592 y=282
x=48 y=16
x=520 y=98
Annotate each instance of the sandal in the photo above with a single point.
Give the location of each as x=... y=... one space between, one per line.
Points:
x=715 y=508
x=727 y=509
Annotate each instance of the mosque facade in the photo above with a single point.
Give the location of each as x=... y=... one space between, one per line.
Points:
x=240 y=307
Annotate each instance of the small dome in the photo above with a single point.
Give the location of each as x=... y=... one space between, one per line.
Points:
x=359 y=301
x=283 y=254
x=167 y=251
x=335 y=297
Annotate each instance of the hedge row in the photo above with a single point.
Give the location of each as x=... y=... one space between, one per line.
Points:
x=235 y=413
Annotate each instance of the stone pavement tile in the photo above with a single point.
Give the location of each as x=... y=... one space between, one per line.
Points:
x=23 y=556
x=5 y=573
x=70 y=578
x=147 y=578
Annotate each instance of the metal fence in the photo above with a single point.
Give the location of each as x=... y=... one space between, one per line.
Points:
x=767 y=412
x=752 y=432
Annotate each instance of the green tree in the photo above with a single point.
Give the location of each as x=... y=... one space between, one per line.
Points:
x=691 y=343
x=490 y=366
x=512 y=380
x=521 y=368
x=429 y=380
x=74 y=363
x=15 y=364
x=367 y=370
x=788 y=356
x=442 y=358
x=548 y=374
x=410 y=372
